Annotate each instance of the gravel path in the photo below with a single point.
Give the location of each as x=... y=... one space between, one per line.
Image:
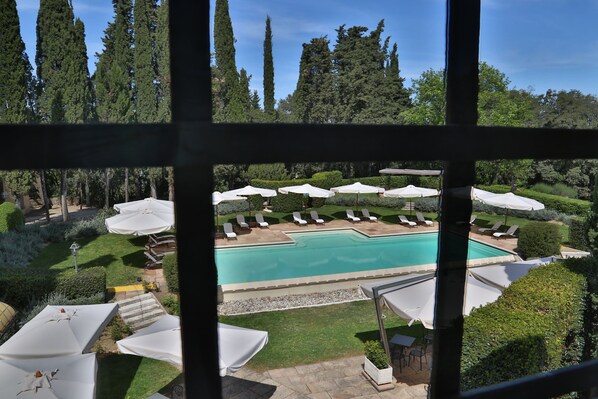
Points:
x=289 y=302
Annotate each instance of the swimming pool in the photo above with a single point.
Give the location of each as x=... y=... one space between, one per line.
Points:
x=333 y=252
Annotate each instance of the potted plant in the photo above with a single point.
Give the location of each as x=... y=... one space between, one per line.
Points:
x=376 y=363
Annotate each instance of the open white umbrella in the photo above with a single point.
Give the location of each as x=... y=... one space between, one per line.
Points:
x=218 y=197
x=511 y=201
x=250 y=190
x=143 y=222
x=59 y=377
x=59 y=331
x=147 y=203
x=357 y=188
x=162 y=340
x=307 y=190
x=411 y=191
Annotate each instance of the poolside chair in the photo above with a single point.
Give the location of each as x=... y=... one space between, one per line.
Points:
x=419 y=351
x=404 y=220
x=509 y=233
x=153 y=262
x=351 y=217
x=422 y=220
x=316 y=218
x=259 y=218
x=366 y=214
x=298 y=219
x=156 y=240
x=161 y=253
x=490 y=230
x=241 y=222
x=228 y=230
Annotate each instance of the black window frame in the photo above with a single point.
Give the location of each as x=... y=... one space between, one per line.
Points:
x=193 y=144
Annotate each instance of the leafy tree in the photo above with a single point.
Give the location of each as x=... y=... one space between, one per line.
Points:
x=285 y=109
x=16 y=87
x=272 y=171
x=268 y=73
x=592 y=222
x=429 y=103
x=18 y=183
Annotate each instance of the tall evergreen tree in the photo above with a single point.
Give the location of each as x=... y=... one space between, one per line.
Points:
x=396 y=93
x=268 y=73
x=144 y=16
x=163 y=63
x=15 y=69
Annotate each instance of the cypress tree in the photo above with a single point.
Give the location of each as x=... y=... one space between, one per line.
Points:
x=144 y=14
x=15 y=69
x=163 y=63
x=268 y=73
x=396 y=94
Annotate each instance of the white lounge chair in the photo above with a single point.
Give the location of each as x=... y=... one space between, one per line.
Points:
x=404 y=220
x=298 y=220
x=509 y=233
x=492 y=229
x=228 y=230
x=351 y=217
x=316 y=218
x=152 y=261
x=241 y=222
x=366 y=214
x=421 y=219
x=259 y=218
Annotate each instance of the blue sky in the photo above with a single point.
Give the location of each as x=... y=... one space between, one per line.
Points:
x=538 y=44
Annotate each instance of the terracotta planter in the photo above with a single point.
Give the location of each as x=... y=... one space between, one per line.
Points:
x=379 y=376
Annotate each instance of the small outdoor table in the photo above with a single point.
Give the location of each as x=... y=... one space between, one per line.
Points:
x=403 y=341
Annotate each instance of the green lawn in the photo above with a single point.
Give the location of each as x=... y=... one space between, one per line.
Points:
x=121 y=255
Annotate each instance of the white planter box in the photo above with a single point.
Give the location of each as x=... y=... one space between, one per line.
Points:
x=380 y=376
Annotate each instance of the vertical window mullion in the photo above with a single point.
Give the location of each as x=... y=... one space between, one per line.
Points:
x=462 y=43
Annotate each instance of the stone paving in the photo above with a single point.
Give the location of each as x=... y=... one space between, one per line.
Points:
x=337 y=379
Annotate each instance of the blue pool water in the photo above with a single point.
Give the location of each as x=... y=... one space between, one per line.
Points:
x=321 y=253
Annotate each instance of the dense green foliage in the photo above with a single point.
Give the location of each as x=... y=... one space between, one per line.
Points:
x=163 y=62
x=86 y=282
x=577 y=233
x=528 y=330
x=268 y=72
x=19 y=286
x=11 y=217
x=170 y=269
x=555 y=189
x=539 y=239
x=144 y=15
x=375 y=353
x=592 y=222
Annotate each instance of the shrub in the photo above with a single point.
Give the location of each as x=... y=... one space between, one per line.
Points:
x=349 y=201
x=19 y=287
x=577 y=233
x=11 y=217
x=556 y=189
x=18 y=248
x=171 y=272
x=375 y=353
x=119 y=329
x=56 y=298
x=89 y=227
x=538 y=239
x=84 y=283
x=171 y=304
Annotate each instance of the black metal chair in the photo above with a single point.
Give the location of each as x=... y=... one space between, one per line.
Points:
x=419 y=351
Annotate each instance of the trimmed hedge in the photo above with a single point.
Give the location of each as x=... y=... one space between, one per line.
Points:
x=527 y=329
x=11 y=217
x=577 y=234
x=569 y=206
x=539 y=239
x=84 y=283
x=171 y=272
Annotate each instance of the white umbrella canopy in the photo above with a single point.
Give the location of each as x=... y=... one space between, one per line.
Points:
x=250 y=190
x=162 y=341
x=147 y=203
x=511 y=201
x=143 y=222
x=60 y=377
x=59 y=331
x=411 y=191
x=307 y=190
x=502 y=276
x=357 y=188
x=218 y=198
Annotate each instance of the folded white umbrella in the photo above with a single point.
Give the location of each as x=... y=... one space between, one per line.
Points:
x=511 y=201
x=162 y=341
x=357 y=188
x=142 y=222
x=59 y=331
x=60 y=377
x=146 y=203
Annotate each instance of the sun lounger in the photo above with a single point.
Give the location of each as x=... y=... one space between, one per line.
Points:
x=422 y=220
x=366 y=214
x=228 y=230
x=351 y=217
x=490 y=230
x=404 y=220
x=259 y=218
x=509 y=233
x=298 y=220
x=316 y=218
x=153 y=262
x=241 y=222
x=167 y=239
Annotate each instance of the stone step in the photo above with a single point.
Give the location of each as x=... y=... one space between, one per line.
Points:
x=140 y=312
x=144 y=315
x=134 y=299
x=136 y=306
x=144 y=323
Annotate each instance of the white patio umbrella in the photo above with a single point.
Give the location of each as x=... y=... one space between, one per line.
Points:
x=59 y=331
x=501 y=276
x=511 y=201
x=147 y=203
x=143 y=222
x=162 y=340
x=307 y=190
x=218 y=197
x=250 y=190
x=357 y=188
x=411 y=191
x=59 y=377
